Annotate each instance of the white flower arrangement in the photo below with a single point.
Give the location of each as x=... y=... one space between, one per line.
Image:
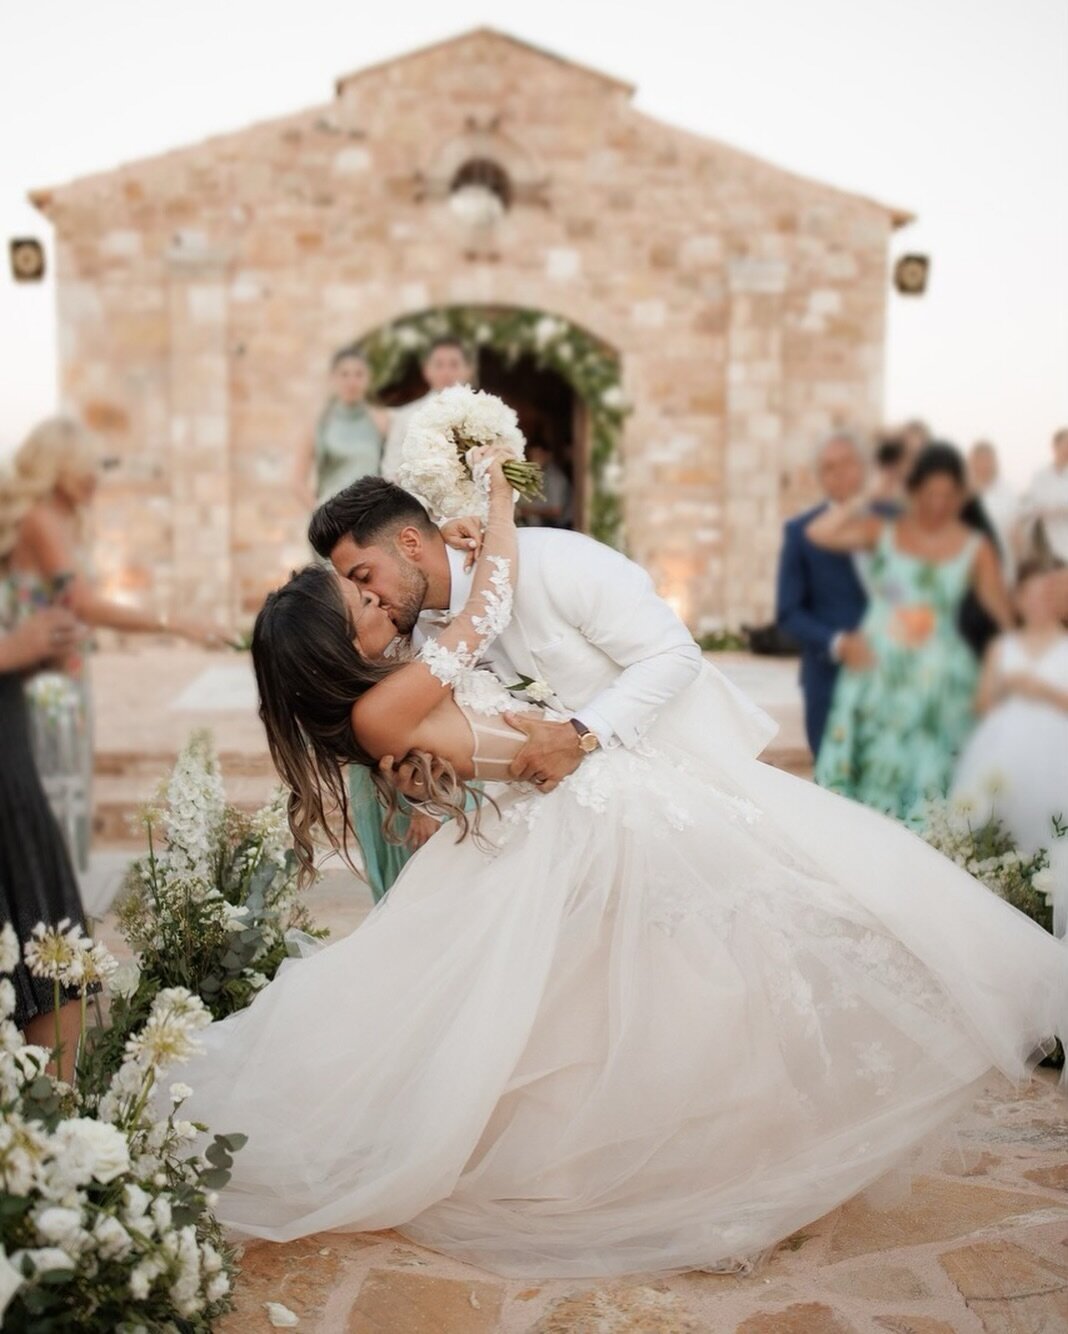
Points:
x=104 y=1211
x=434 y=455
x=212 y=910
x=981 y=845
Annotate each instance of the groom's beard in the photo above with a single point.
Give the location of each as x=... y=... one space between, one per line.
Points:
x=405 y=611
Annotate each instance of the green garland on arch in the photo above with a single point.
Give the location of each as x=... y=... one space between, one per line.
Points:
x=554 y=344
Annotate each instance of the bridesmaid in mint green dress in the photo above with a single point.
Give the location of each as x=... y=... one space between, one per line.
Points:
x=347 y=444
x=897 y=727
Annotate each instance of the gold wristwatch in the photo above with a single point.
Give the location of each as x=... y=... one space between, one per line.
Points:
x=588 y=741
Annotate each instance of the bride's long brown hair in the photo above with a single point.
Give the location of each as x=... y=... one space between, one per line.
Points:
x=309 y=675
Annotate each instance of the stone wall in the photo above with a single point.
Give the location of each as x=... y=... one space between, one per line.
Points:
x=202 y=292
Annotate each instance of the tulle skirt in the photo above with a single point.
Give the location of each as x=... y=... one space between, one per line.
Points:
x=657 y=1019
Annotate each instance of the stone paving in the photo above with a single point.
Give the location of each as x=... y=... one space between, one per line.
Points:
x=979 y=1242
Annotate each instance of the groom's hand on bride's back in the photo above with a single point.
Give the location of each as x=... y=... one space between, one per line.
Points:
x=551 y=752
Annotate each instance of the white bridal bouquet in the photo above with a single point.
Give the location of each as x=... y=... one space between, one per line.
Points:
x=434 y=459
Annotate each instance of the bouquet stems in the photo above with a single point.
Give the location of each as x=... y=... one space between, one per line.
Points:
x=526 y=478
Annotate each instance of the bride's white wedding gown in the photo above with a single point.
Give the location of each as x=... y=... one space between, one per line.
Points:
x=659 y=1018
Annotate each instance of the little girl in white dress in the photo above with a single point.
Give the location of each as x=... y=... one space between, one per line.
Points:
x=1016 y=764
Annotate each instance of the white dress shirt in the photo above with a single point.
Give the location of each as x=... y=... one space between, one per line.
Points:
x=1047 y=499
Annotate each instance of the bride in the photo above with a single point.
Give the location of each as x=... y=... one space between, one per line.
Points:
x=657 y=1018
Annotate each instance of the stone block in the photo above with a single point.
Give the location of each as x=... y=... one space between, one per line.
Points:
x=422 y=1304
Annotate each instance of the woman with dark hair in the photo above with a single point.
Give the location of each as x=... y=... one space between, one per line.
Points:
x=37 y=881
x=656 y=1016
x=897 y=726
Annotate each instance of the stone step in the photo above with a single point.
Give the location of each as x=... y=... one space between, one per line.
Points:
x=123 y=784
x=157 y=764
x=118 y=800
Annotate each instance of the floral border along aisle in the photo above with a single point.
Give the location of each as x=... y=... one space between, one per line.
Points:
x=555 y=344
x=105 y=1210
x=105 y=1200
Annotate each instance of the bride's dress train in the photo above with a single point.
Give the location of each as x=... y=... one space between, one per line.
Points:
x=662 y=1017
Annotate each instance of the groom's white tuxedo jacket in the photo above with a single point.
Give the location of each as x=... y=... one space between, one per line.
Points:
x=589 y=622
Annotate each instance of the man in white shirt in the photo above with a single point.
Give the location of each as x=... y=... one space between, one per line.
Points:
x=998 y=499
x=446 y=363
x=1046 y=499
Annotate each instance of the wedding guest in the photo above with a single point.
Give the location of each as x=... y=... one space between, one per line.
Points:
x=44 y=504
x=1045 y=504
x=820 y=599
x=447 y=363
x=348 y=438
x=1016 y=764
x=914 y=436
x=897 y=725
x=553 y=510
x=998 y=499
x=37 y=882
x=891 y=465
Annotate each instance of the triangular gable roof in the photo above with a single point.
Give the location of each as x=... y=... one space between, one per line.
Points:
x=495 y=34
x=43 y=198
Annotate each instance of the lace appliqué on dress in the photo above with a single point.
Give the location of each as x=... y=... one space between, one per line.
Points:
x=498 y=603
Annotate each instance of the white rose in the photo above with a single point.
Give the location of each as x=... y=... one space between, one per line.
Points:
x=612 y=398
x=9 y=948
x=7 y=997
x=281 y=1317
x=61 y=1226
x=88 y=1150
x=218 y=1288
x=538 y=692
x=111 y=1237
x=10 y=1282
x=125 y=979
x=45 y=1258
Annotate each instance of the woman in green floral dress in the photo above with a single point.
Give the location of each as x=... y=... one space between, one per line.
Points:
x=897 y=726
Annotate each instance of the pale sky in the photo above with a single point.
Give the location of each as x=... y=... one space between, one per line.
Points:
x=954 y=109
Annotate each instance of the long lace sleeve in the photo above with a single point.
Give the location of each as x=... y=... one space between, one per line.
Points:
x=488 y=609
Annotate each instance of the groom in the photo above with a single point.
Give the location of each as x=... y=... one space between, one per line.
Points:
x=585 y=619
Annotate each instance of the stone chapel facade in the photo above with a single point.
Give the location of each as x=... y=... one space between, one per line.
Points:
x=202 y=292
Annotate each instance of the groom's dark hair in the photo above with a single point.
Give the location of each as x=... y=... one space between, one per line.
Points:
x=366 y=511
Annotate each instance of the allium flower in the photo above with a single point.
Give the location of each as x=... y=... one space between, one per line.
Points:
x=52 y=950
x=167 y=1036
x=92 y=966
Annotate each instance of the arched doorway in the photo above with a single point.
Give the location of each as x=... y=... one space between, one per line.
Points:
x=563 y=383
x=550 y=416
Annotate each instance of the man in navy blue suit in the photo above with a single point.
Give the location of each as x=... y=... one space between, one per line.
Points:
x=820 y=598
